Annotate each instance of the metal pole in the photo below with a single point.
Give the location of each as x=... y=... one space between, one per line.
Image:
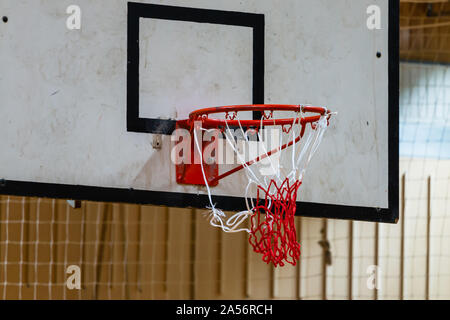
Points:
x=101 y=249
x=247 y=269
x=139 y=249
x=272 y=282
x=26 y=222
x=427 y=272
x=220 y=268
x=193 y=251
x=299 y=267
x=350 y=261
x=324 y=260
x=166 y=250
x=375 y=292
x=124 y=215
x=402 y=238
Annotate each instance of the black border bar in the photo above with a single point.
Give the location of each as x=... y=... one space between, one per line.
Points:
x=182 y=200
x=393 y=113
x=154 y=11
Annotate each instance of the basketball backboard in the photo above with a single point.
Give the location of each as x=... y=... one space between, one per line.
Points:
x=86 y=89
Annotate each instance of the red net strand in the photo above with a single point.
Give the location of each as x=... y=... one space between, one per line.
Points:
x=273 y=224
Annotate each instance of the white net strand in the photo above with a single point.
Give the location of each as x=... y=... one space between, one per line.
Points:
x=313 y=141
x=217 y=216
x=299 y=117
x=233 y=144
x=315 y=135
x=277 y=170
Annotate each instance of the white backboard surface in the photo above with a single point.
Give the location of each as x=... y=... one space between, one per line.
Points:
x=80 y=107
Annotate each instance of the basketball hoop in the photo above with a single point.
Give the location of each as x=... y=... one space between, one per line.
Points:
x=272 y=231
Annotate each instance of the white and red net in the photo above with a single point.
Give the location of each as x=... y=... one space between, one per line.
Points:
x=274 y=175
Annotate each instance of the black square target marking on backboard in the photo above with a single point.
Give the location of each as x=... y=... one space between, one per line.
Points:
x=136 y=11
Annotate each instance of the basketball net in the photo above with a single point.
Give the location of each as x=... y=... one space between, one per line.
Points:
x=272 y=224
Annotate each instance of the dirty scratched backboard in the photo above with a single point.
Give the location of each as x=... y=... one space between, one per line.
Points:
x=80 y=104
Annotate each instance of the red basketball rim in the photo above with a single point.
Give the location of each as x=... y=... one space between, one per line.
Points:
x=267 y=119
